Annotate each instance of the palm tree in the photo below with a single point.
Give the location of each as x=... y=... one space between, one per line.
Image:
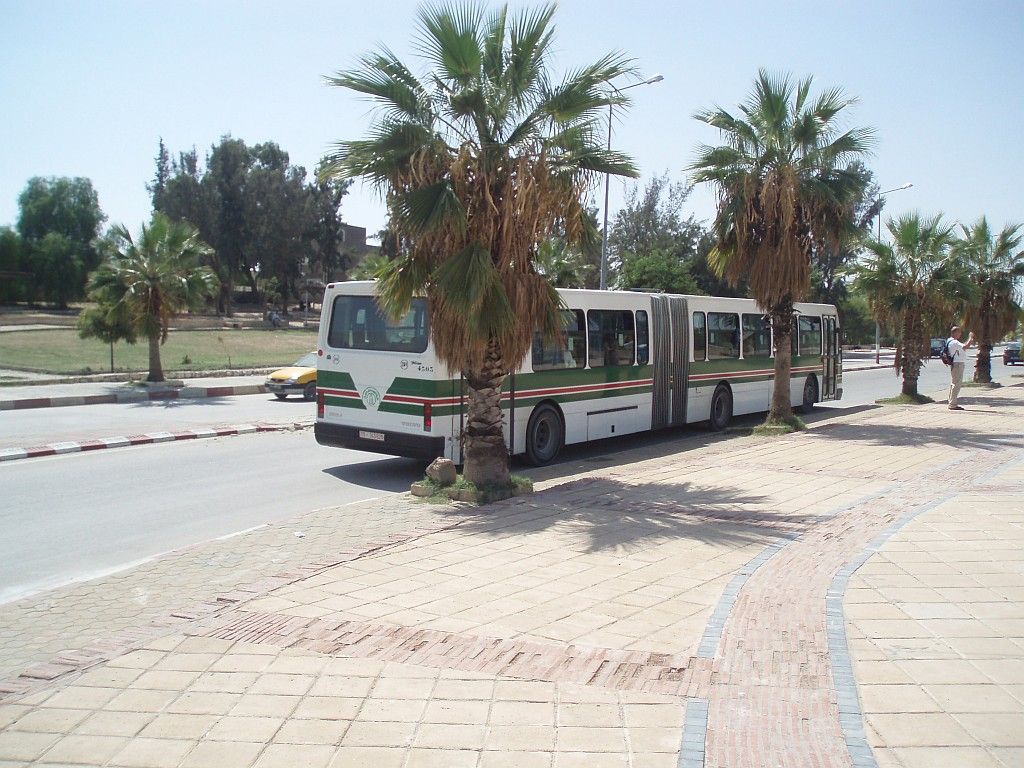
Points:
x=913 y=284
x=153 y=278
x=480 y=161
x=564 y=267
x=996 y=267
x=787 y=182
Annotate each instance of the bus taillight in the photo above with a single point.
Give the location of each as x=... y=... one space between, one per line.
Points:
x=427 y=417
x=320 y=405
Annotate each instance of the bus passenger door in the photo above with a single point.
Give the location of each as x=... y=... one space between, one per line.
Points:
x=661 y=361
x=831 y=359
x=680 y=359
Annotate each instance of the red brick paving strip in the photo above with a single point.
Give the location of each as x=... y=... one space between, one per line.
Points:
x=526 y=660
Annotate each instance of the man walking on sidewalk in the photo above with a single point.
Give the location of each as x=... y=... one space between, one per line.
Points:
x=957 y=352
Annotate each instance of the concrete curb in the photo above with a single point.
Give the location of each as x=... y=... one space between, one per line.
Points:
x=127 y=376
x=131 y=397
x=54 y=449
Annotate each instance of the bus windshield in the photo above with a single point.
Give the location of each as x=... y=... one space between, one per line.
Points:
x=357 y=322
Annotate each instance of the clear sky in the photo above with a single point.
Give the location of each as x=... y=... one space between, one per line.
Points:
x=88 y=86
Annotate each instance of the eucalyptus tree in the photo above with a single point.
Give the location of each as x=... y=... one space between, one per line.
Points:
x=996 y=264
x=480 y=159
x=913 y=283
x=787 y=181
x=151 y=279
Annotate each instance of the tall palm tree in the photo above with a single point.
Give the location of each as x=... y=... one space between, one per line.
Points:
x=787 y=181
x=996 y=264
x=480 y=160
x=153 y=279
x=913 y=284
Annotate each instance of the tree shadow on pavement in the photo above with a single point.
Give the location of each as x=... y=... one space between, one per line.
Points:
x=891 y=435
x=171 y=403
x=604 y=514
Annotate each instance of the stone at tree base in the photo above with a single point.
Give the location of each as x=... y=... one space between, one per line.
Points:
x=442 y=471
x=421 y=489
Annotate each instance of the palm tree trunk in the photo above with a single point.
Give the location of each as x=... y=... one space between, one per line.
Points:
x=156 y=370
x=782 y=330
x=983 y=365
x=910 y=353
x=486 y=458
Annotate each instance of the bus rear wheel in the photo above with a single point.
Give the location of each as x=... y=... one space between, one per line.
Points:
x=810 y=396
x=545 y=435
x=721 y=408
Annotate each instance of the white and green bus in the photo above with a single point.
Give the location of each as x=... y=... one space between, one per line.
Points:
x=628 y=362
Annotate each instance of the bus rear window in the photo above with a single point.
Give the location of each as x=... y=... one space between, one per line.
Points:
x=357 y=322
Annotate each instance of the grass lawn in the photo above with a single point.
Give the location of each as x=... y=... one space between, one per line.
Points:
x=62 y=351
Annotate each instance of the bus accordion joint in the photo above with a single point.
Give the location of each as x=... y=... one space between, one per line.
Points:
x=427 y=417
x=320 y=404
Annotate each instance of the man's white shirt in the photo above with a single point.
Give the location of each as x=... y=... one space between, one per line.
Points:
x=956 y=350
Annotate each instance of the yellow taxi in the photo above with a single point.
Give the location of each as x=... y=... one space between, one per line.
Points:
x=297 y=379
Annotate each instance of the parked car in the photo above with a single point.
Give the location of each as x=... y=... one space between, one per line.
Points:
x=297 y=379
x=937 y=345
x=1011 y=353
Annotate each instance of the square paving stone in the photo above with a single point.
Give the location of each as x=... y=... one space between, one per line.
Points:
x=442 y=758
x=379 y=734
x=94 y=750
x=919 y=730
x=369 y=757
x=946 y=757
x=490 y=759
x=47 y=720
x=310 y=732
x=449 y=737
x=178 y=726
x=24 y=745
x=152 y=753
x=222 y=754
x=296 y=756
x=115 y=723
x=244 y=728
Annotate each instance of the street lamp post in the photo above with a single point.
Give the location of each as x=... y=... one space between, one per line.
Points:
x=878 y=329
x=607 y=179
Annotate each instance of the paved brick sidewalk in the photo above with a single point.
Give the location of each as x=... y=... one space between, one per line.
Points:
x=683 y=609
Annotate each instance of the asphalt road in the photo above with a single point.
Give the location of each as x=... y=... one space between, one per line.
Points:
x=75 y=516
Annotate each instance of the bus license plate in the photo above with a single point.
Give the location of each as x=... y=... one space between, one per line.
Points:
x=378 y=436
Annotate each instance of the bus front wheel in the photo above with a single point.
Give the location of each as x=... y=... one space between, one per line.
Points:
x=545 y=435
x=721 y=408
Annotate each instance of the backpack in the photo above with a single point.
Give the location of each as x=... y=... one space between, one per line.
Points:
x=944 y=355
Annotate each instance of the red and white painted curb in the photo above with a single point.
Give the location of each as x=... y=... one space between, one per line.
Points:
x=131 y=397
x=54 y=449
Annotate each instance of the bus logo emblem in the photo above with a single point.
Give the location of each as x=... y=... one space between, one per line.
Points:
x=371 y=398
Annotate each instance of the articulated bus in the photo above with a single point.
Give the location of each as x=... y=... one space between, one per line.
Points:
x=627 y=362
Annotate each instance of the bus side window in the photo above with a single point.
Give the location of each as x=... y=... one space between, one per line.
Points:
x=569 y=352
x=794 y=337
x=611 y=337
x=757 y=336
x=642 y=344
x=723 y=336
x=700 y=338
x=810 y=335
